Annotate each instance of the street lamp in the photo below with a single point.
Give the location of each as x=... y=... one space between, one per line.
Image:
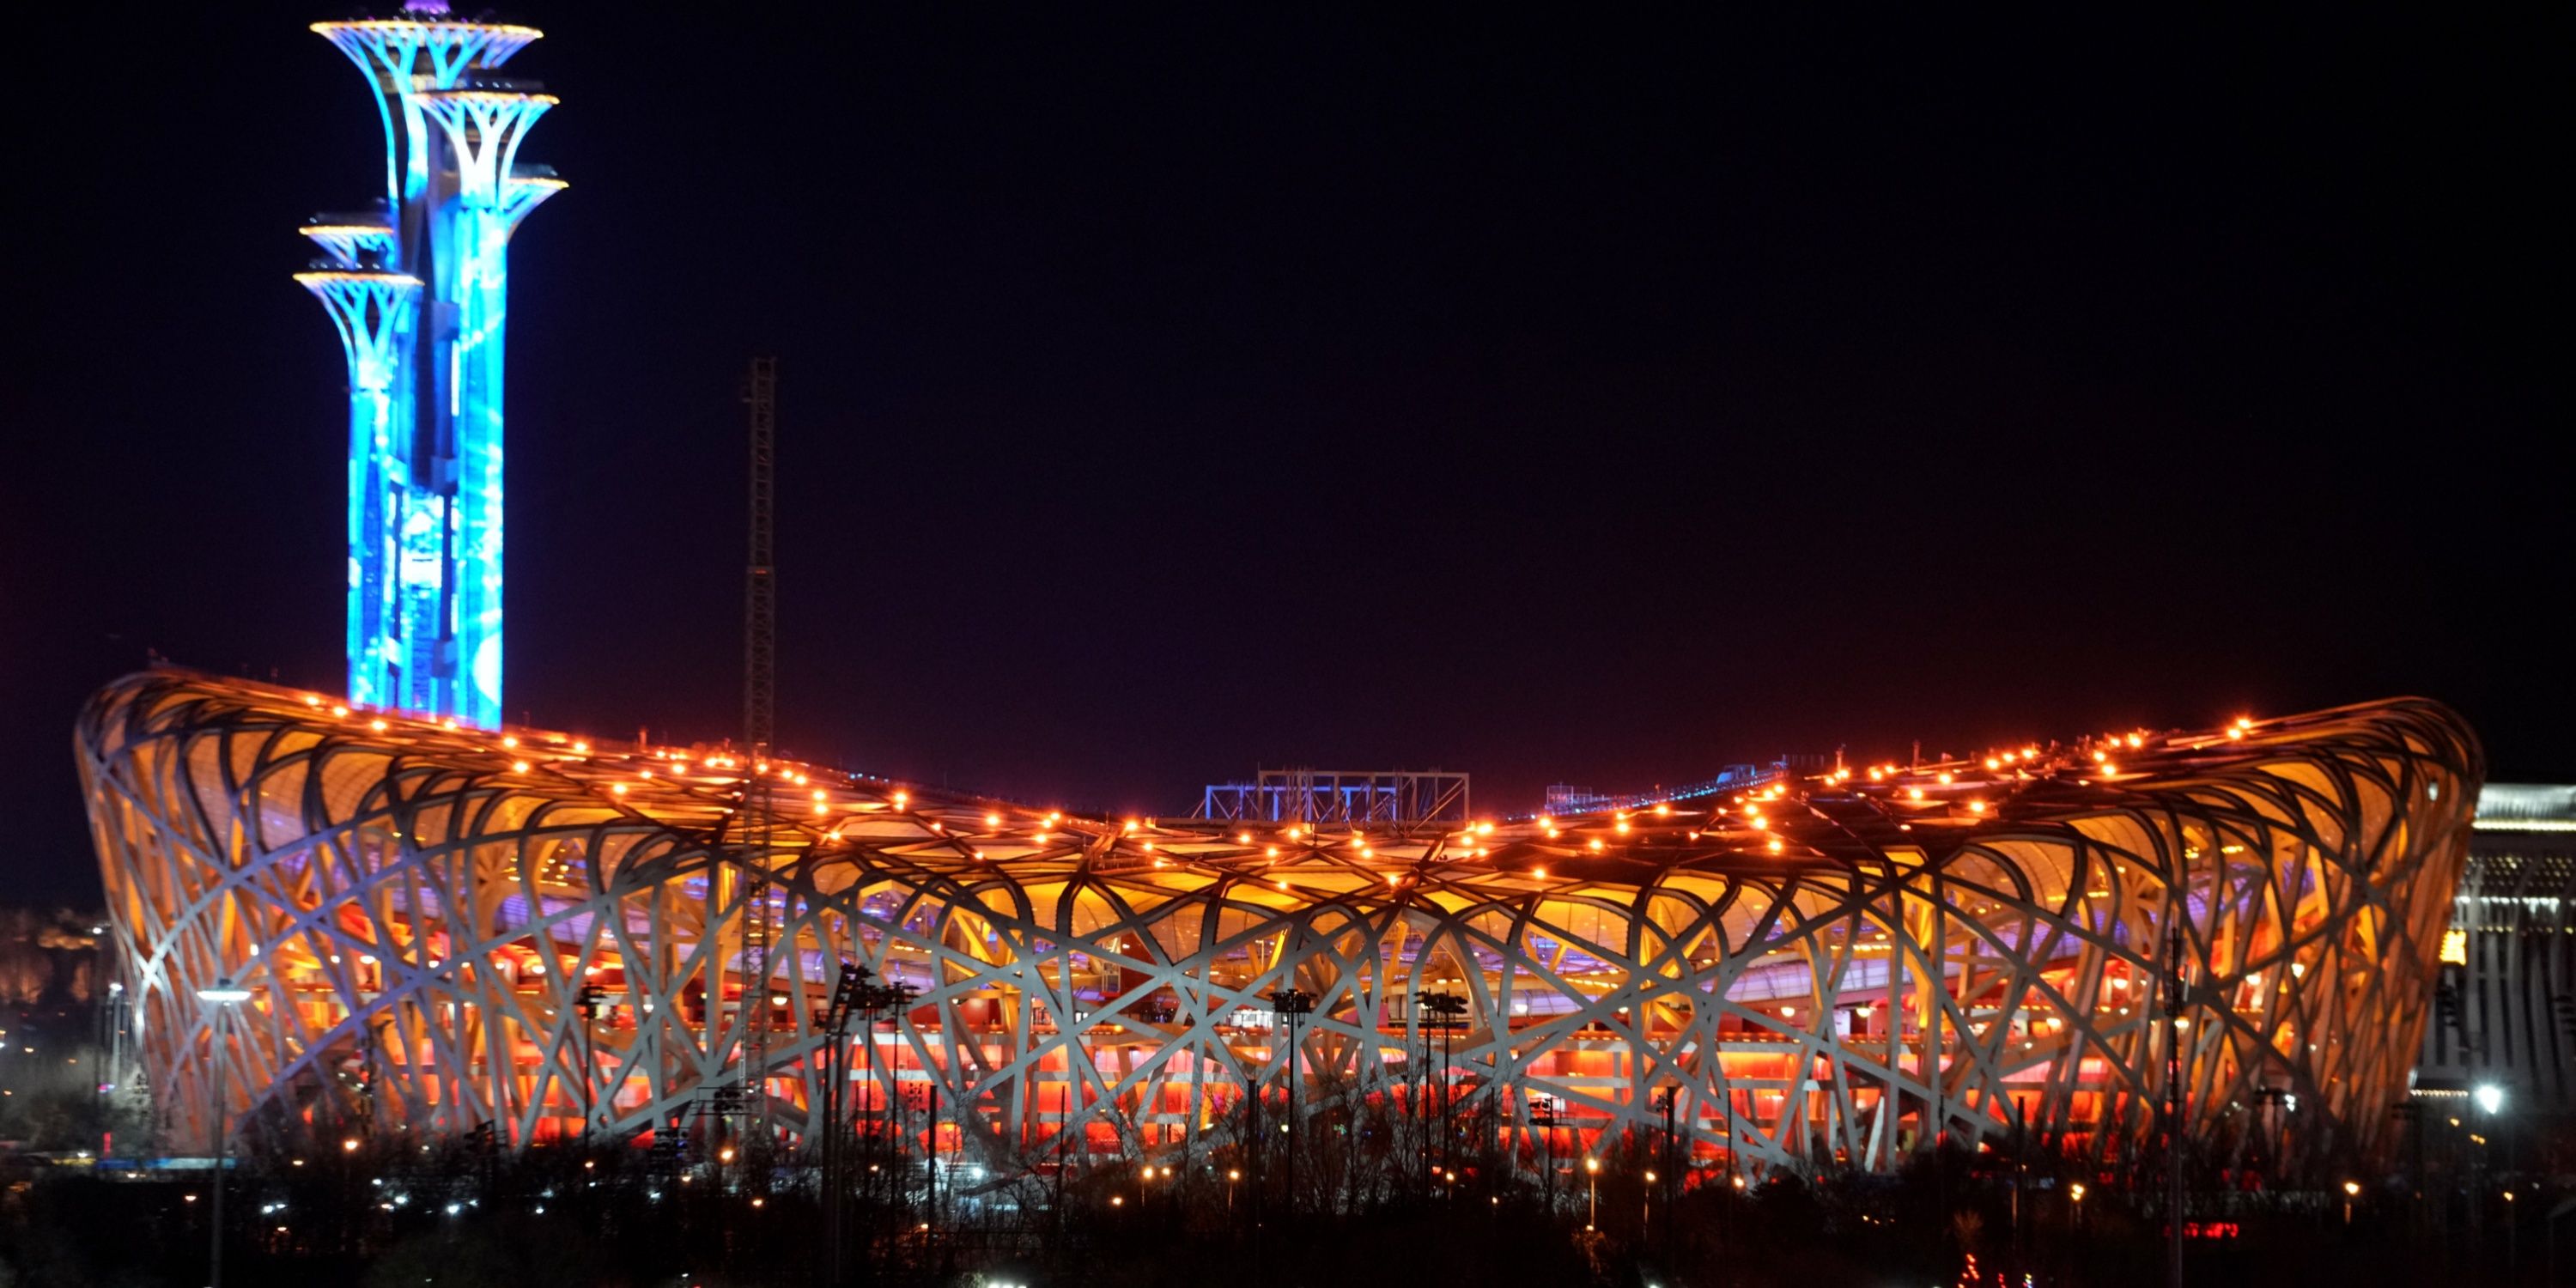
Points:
x=2351 y=1191
x=1592 y=1174
x=223 y=997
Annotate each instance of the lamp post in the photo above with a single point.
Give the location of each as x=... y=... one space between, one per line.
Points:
x=1592 y=1174
x=2351 y=1191
x=222 y=997
x=1543 y=1117
x=2490 y=1100
x=588 y=1001
x=1444 y=1011
x=1665 y=1100
x=1292 y=1004
x=848 y=991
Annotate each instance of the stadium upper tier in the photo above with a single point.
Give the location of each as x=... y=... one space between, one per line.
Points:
x=1820 y=970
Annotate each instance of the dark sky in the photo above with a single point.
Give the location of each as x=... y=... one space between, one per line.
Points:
x=1171 y=390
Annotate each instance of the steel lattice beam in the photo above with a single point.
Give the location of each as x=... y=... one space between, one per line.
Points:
x=1819 y=970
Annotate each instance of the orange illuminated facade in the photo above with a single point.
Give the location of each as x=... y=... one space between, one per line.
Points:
x=1824 y=969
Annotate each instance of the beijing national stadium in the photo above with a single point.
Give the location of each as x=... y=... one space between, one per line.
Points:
x=434 y=922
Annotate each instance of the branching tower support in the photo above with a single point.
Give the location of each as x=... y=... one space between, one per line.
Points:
x=417 y=287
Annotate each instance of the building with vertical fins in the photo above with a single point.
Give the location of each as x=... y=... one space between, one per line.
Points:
x=418 y=286
x=2504 y=1013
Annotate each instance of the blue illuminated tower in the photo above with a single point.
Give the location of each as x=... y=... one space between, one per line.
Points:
x=418 y=287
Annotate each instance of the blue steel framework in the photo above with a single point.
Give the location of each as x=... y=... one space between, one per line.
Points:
x=1830 y=970
x=418 y=289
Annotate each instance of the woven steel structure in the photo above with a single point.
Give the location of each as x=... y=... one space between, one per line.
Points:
x=1818 y=969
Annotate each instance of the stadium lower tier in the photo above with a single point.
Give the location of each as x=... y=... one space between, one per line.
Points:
x=443 y=928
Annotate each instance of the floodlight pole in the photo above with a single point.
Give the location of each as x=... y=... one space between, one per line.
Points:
x=1292 y=1004
x=1543 y=1116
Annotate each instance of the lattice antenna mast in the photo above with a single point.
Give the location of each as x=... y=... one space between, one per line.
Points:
x=759 y=729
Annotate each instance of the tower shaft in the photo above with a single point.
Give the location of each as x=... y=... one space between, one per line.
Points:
x=425 y=465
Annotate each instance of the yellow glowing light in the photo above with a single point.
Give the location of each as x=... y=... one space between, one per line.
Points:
x=1540 y=873
x=992 y=820
x=1775 y=845
x=339 y=711
x=519 y=766
x=1243 y=838
x=1992 y=763
x=617 y=788
x=1976 y=807
x=1944 y=779
x=2455 y=947
x=1595 y=843
x=377 y=725
x=1484 y=829
x=2135 y=741
x=1875 y=775
x=1914 y=793
x=311 y=701
x=581 y=749
x=900 y=799
x=509 y=740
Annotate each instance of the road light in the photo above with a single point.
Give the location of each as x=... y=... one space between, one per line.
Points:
x=1592 y=1173
x=2490 y=1098
x=2351 y=1191
x=223 y=997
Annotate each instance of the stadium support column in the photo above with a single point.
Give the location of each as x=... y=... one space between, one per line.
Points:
x=375 y=312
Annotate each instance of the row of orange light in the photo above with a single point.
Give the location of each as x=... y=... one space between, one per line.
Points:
x=1547 y=823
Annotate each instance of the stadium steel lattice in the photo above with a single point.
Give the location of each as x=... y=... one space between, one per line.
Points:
x=417 y=908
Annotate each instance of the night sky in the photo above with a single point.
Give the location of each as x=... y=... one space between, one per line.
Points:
x=1588 y=394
